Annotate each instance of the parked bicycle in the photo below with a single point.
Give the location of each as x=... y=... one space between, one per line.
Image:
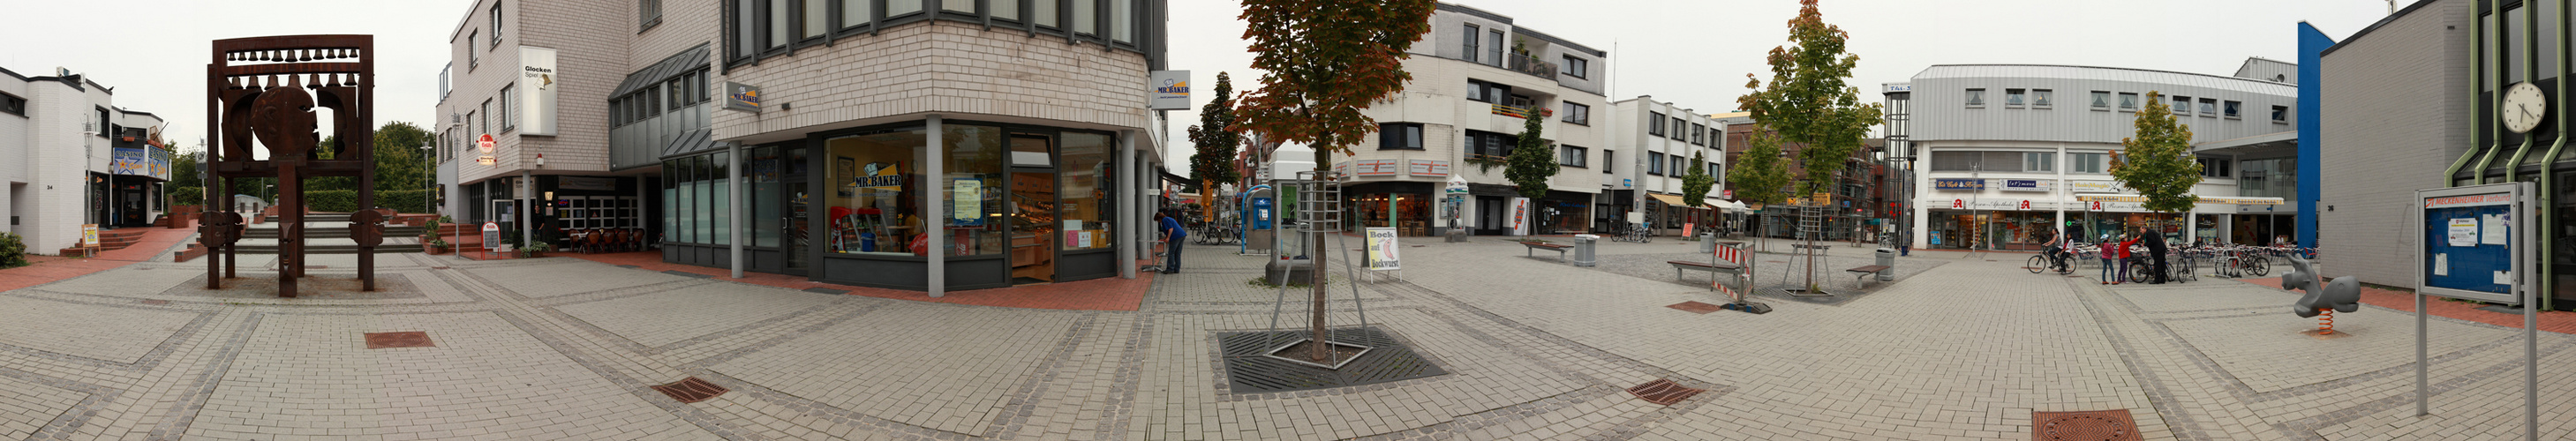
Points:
x=2178 y=268
x=1636 y=233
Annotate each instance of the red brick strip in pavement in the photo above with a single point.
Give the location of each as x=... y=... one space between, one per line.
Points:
x=1104 y=294
x=48 y=270
x=2563 y=322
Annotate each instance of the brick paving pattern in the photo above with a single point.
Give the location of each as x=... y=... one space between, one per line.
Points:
x=578 y=348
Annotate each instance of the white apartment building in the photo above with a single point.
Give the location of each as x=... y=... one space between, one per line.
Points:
x=1476 y=76
x=909 y=144
x=1651 y=147
x=74 y=158
x=2007 y=152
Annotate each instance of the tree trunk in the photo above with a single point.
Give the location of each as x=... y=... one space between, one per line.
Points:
x=1319 y=352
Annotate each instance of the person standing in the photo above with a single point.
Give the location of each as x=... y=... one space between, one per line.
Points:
x=2110 y=258
x=1172 y=235
x=2155 y=254
x=2124 y=260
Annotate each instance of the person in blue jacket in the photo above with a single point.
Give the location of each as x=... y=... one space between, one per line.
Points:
x=1172 y=234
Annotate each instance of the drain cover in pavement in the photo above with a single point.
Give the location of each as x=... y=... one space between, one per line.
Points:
x=1248 y=371
x=691 y=390
x=1695 y=307
x=412 y=339
x=2099 y=425
x=1663 y=392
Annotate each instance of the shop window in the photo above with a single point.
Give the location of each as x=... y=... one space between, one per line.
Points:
x=1085 y=193
x=871 y=175
x=761 y=170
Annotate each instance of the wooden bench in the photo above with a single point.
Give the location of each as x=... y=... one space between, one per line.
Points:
x=1712 y=269
x=1533 y=247
x=1864 y=273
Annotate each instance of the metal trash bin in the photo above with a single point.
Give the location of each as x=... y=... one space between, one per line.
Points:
x=1707 y=242
x=1583 y=249
x=1887 y=258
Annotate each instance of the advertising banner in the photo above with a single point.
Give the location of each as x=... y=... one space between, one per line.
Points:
x=1381 y=254
x=1171 y=90
x=537 y=91
x=1947 y=184
x=743 y=97
x=125 y=161
x=2029 y=185
x=1375 y=167
x=1426 y=167
x=1520 y=213
x=2095 y=187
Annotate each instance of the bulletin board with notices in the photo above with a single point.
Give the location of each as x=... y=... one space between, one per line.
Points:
x=2471 y=248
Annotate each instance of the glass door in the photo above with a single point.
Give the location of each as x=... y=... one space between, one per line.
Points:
x=1033 y=227
x=792 y=222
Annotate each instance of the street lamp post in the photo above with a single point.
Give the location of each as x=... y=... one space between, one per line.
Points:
x=428 y=184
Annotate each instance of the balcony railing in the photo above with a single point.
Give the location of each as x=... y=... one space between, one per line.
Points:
x=1524 y=63
x=1515 y=112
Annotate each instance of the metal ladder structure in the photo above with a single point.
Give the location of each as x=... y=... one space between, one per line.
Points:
x=1811 y=220
x=1319 y=212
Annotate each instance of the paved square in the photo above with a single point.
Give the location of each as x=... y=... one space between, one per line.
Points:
x=313 y=376
x=550 y=278
x=914 y=363
x=26 y=407
x=2267 y=351
x=80 y=329
x=668 y=317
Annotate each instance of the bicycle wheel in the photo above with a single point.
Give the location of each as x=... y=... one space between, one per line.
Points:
x=2259 y=266
x=2138 y=272
x=2036 y=264
x=2184 y=271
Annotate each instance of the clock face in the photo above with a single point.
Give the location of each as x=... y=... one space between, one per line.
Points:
x=2523 y=107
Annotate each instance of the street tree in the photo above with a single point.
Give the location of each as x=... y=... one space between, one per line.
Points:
x=1216 y=141
x=1808 y=101
x=1322 y=62
x=1697 y=182
x=1760 y=175
x=2157 y=161
x=1533 y=162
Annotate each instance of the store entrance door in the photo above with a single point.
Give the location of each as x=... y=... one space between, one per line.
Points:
x=1033 y=227
x=1489 y=215
x=794 y=223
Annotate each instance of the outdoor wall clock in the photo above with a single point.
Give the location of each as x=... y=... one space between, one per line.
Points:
x=2523 y=107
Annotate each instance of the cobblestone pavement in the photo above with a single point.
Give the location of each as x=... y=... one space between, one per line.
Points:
x=1957 y=348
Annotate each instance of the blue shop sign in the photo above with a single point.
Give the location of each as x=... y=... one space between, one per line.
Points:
x=1959 y=184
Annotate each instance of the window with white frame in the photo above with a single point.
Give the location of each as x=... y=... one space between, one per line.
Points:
x=2101 y=100
x=2281 y=114
x=2231 y=109
x=2013 y=97
x=2040 y=98
x=1976 y=97
x=2095 y=163
x=2039 y=161
x=2128 y=101
x=2182 y=105
x=2208 y=107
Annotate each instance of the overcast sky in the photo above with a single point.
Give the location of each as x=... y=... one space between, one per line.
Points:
x=1690 y=52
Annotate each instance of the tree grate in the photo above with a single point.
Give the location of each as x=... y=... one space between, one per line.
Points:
x=1247 y=371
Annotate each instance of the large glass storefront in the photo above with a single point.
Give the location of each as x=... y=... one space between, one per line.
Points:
x=1015 y=205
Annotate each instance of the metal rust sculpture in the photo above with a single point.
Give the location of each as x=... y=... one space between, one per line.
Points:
x=262 y=91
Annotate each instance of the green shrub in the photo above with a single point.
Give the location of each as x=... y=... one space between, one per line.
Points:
x=343 y=201
x=13 y=250
x=188 y=196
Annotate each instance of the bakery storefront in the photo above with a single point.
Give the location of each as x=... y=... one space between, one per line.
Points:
x=1020 y=204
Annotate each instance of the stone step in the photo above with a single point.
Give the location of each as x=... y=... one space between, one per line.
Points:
x=333 y=249
x=337 y=231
